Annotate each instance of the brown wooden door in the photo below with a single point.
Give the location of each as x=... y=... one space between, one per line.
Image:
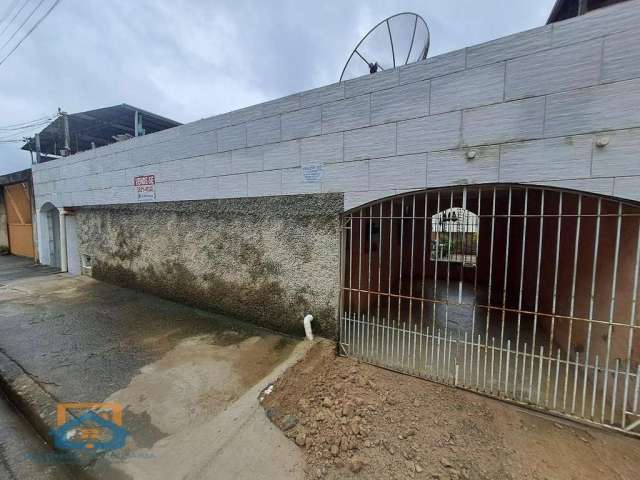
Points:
x=17 y=198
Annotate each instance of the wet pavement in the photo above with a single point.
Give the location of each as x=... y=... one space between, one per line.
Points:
x=20 y=268
x=171 y=367
x=21 y=449
x=84 y=340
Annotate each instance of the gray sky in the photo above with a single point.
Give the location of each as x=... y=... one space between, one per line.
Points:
x=192 y=59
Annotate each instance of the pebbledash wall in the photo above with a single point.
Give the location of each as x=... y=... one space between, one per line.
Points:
x=269 y=260
x=246 y=211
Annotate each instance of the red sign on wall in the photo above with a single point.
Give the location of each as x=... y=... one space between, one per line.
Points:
x=145 y=186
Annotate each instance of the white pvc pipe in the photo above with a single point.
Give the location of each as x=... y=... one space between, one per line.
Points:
x=307 y=326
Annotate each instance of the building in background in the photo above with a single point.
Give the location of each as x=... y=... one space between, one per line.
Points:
x=564 y=9
x=67 y=135
x=330 y=202
x=72 y=133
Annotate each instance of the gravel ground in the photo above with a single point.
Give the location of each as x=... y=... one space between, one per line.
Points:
x=354 y=420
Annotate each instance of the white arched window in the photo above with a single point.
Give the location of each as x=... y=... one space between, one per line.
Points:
x=454 y=236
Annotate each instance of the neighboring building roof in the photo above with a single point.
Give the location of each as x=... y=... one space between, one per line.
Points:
x=98 y=127
x=16 y=177
x=564 y=9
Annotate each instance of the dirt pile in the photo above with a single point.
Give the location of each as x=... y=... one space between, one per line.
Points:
x=352 y=417
x=355 y=420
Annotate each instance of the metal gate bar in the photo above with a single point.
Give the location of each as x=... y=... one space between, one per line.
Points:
x=397 y=348
x=544 y=313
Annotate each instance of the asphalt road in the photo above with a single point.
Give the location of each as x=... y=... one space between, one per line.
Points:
x=22 y=452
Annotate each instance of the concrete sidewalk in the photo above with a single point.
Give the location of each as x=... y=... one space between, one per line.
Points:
x=188 y=380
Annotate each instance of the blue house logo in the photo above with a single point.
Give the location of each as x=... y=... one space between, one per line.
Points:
x=90 y=431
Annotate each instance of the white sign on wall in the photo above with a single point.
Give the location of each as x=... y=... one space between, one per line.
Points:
x=312 y=173
x=145 y=186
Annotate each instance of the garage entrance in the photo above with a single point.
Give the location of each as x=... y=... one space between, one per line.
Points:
x=522 y=293
x=20 y=229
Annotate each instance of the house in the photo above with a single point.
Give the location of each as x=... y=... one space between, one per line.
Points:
x=326 y=202
x=68 y=134
x=77 y=132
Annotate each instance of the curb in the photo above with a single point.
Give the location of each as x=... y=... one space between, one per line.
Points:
x=38 y=407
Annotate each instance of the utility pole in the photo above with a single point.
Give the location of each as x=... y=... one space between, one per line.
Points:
x=67 y=139
x=37 y=136
x=582 y=7
x=137 y=124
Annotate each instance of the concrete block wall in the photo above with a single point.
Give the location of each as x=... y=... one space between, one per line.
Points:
x=531 y=105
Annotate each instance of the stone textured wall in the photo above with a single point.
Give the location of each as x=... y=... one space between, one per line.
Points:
x=266 y=260
x=532 y=105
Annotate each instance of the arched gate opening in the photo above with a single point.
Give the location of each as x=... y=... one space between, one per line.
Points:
x=523 y=293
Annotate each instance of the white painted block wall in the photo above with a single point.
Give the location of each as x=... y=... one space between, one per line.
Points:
x=531 y=104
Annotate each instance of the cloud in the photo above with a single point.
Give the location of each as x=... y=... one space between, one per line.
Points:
x=192 y=59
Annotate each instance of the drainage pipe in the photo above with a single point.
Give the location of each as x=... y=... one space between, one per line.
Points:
x=307 y=326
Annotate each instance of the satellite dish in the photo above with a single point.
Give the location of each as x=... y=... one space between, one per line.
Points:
x=398 y=40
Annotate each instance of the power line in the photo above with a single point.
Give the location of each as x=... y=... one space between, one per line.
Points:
x=17 y=132
x=39 y=119
x=35 y=25
x=21 y=25
x=29 y=122
x=16 y=137
x=13 y=18
x=19 y=138
x=26 y=127
x=8 y=11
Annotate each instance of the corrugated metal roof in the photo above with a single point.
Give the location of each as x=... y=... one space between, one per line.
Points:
x=97 y=126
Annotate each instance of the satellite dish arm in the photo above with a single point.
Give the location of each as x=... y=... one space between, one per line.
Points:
x=413 y=37
x=425 y=50
x=393 y=51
